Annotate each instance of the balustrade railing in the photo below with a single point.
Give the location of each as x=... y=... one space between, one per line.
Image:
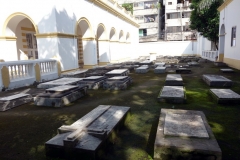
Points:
x=210 y=55
x=26 y=72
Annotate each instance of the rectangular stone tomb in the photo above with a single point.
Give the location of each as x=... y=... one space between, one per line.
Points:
x=12 y=101
x=117 y=72
x=159 y=64
x=172 y=94
x=93 y=82
x=217 y=81
x=160 y=69
x=94 y=72
x=225 y=96
x=227 y=70
x=174 y=80
x=60 y=96
x=86 y=138
x=185 y=134
x=193 y=63
x=183 y=70
x=117 y=83
x=142 y=69
x=129 y=67
x=59 y=82
x=147 y=62
x=75 y=74
x=220 y=64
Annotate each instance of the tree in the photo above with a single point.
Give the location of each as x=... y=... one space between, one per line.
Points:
x=128 y=7
x=205 y=19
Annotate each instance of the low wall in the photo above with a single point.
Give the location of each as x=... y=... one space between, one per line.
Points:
x=170 y=48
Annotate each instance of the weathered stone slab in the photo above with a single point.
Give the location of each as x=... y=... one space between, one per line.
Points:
x=117 y=83
x=172 y=94
x=226 y=96
x=217 y=81
x=193 y=63
x=174 y=80
x=181 y=147
x=96 y=72
x=146 y=62
x=86 y=136
x=117 y=72
x=183 y=70
x=227 y=70
x=162 y=64
x=59 y=82
x=142 y=69
x=184 y=125
x=220 y=64
x=12 y=101
x=76 y=74
x=160 y=69
x=129 y=67
x=60 y=96
x=93 y=82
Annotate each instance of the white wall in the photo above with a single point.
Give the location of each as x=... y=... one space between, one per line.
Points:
x=230 y=18
x=171 y=48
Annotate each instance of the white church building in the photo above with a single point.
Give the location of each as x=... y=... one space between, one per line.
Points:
x=229 y=33
x=78 y=33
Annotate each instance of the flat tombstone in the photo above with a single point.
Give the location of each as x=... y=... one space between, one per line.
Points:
x=160 y=69
x=93 y=78
x=93 y=82
x=174 y=80
x=184 y=125
x=185 y=134
x=142 y=69
x=160 y=64
x=117 y=71
x=117 y=78
x=76 y=74
x=61 y=88
x=174 y=94
x=10 y=102
x=59 y=82
x=227 y=70
x=226 y=96
x=183 y=70
x=217 y=81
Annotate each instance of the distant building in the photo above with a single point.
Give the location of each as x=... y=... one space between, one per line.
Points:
x=177 y=20
x=146 y=13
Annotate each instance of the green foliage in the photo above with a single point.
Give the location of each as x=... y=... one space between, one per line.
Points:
x=206 y=20
x=128 y=7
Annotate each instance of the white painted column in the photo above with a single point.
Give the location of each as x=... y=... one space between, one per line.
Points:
x=104 y=56
x=153 y=56
x=89 y=52
x=9 y=49
x=114 y=51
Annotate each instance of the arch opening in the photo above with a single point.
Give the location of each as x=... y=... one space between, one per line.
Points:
x=112 y=35
x=101 y=35
x=121 y=36
x=21 y=26
x=128 y=37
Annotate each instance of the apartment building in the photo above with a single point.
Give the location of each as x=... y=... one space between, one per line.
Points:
x=177 y=20
x=146 y=13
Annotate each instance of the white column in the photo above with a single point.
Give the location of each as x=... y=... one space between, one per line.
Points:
x=104 y=56
x=89 y=52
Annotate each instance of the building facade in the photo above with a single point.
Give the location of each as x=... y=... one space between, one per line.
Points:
x=229 y=34
x=76 y=33
x=177 y=20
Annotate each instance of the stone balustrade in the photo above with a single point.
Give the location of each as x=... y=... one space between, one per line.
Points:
x=210 y=55
x=15 y=74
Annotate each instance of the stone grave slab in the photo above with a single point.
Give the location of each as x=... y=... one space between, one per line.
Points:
x=193 y=63
x=160 y=69
x=60 y=96
x=59 y=82
x=172 y=94
x=185 y=134
x=220 y=64
x=86 y=137
x=174 y=80
x=93 y=82
x=217 y=80
x=12 y=101
x=184 y=125
x=146 y=62
x=183 y=70
x=76 y=74
x=225 y=96
x=129 y=67
x=117 y=72
x=96 y=72
x=227 y=70
x=142 y=69
x=160 y=64
x=117 y=83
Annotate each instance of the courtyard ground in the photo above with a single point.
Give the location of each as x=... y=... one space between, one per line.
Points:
x=25 y=129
